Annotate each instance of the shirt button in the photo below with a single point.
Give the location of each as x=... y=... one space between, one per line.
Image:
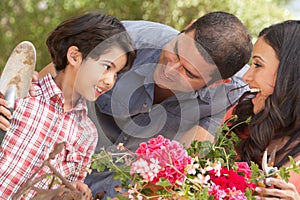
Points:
x=145 y=105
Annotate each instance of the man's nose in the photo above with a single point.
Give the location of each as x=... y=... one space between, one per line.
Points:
x=172 y=67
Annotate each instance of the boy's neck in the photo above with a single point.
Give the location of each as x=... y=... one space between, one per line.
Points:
x=66 y=84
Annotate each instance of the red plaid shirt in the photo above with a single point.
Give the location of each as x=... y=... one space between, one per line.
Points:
x=38 y=124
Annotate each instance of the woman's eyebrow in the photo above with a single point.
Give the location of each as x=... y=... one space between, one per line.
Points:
x=255 y=56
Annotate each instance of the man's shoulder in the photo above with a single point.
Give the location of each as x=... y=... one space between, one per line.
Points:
x=130 y=24
x=147 y=34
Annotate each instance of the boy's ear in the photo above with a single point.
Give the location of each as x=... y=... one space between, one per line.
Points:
x=74 y=56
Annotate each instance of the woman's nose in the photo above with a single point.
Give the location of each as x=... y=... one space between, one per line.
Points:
x=248 y=76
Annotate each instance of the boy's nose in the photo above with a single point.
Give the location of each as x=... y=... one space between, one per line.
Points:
x=109 y=80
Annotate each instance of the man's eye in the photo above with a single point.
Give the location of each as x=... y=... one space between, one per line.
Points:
x=189 y=74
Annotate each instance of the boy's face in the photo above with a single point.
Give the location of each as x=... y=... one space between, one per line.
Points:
x=181 y=67
x=96 y=77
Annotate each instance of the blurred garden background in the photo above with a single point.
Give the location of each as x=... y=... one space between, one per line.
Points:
x=32 y=20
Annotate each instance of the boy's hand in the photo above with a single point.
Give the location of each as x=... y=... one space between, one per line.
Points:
x=5 y=114
x=83 y=189
x=35 y=78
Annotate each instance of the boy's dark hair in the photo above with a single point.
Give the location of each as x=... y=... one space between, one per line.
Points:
x=92 y=33
x=222 y=39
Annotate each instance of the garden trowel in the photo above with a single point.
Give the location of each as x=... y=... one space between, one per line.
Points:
x=17 y=74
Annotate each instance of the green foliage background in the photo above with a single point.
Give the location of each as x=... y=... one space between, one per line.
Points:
x=33 y=19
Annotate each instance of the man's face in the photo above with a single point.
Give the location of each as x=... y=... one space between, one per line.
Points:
x=181 y=67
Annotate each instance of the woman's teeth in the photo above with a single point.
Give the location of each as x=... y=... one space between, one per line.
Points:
x=254 y=90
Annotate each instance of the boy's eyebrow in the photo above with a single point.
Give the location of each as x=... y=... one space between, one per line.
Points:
x=110 y=62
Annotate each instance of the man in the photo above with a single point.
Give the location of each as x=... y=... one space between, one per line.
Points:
x=175 y=87
x=178 y=85
x=166 y=91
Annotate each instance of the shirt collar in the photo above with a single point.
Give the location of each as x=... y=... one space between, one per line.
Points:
x=48 y=88
x=147 y=71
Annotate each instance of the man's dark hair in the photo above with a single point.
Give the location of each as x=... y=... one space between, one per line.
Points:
x=223 y=40
x=92 y=33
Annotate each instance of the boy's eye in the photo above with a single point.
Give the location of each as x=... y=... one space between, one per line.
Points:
x=107 y=67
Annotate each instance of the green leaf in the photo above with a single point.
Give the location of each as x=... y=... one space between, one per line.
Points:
x=163 y=182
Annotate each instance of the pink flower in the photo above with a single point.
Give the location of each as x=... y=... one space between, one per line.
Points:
x=170 y=160
x=244 y=168
x=226 y=194
x=217 y=192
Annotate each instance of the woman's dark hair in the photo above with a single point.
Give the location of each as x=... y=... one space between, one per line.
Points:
x=280 y=118
x=93 y=34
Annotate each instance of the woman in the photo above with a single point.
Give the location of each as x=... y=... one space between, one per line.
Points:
x=274 y=104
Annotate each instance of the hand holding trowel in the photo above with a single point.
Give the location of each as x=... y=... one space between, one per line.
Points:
x=17 y=75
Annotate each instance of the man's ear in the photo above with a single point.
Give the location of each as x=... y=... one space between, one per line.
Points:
x=74 y=56
x=190 y=24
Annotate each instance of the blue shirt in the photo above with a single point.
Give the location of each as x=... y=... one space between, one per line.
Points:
x=127 y=114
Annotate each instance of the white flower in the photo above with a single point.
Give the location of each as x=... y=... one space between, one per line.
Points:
x=120 y=146
x=191 y=168
x=203 y=180
x=154 y=165
x=217 y=167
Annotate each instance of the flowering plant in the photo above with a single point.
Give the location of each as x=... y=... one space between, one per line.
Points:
x=161 y=158
x=164 y=169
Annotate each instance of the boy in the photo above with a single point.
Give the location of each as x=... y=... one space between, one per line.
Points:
x=88 y=52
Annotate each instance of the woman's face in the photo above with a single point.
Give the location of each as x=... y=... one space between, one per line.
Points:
x=262 y=74
x=96 y=77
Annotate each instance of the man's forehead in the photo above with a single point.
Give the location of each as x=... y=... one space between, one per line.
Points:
x=187 y=49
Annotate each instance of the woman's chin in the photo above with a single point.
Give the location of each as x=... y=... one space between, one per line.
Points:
x=257 y=109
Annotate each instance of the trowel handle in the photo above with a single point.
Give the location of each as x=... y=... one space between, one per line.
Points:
x=10 y=95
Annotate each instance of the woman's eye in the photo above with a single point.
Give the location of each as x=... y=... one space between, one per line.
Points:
x=256 y=64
